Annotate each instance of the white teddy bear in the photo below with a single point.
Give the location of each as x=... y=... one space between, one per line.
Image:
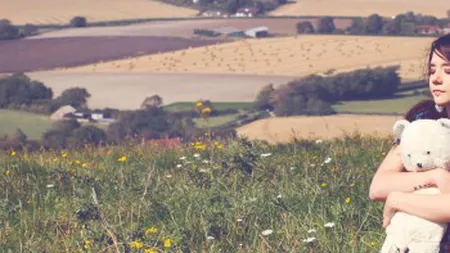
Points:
x=424 y=145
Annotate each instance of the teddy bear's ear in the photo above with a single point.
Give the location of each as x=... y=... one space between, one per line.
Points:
x=399 y=126
x=445 y=123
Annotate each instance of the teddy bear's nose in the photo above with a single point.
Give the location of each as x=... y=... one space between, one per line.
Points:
x=419 y=165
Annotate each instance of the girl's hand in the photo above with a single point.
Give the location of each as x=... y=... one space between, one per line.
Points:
x=441 y=178
x=389 y=208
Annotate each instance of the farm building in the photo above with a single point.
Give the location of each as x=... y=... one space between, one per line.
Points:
x=247 y=12
x=230 y=32
x=428 y=29
x=62 y=112
x=214 y=13
x=258 y=32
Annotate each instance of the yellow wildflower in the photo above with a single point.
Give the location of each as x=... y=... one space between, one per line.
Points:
x=136 y=245
x=77 y=161
x=13 y=153
x=167 y=243
x=63 y=154
x=199 y=104
x=372 y=244
x=7 y=172
x=122 y=159
x=55 y=160
x=150 y=231
x=87 y=244
x=206 y=110
x=151 y=250
x=324 y=185
x=84 y=165
x=347 y=200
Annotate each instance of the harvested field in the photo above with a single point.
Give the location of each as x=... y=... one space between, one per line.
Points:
x=185 y=28
x=360 y=8
x=128 y=90
x=61 y=11
x=44 y=54
x=290 y=56
x=284 y=129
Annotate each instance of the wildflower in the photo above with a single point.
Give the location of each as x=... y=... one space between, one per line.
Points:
x=196 y=155
x=239 y=220
x=266 y=155
x=312 y=165
x=252 y=199
x=179 y=165
x=292 y=168
x=318 y=141
x=267 y=232
x=55 y=160
x=312 y=231
x=205 y=161
x=210 y=238
x=334 y=170
x=77 y=161
x=347 y=200
x=150 y=231
x=151 y=250
x=50 y=185
x=63 y=154
x=84 y=165
x=87 y=244
x=169 y=176
x=309 y=239
x=167 y=243
x=13 y=153
x=183 y=158
x=328 y=160
x=329 y=224
x=372 y=244
x=7 y=172
x=206 y=110
x=279 y=196
x=122 y=159
x=199 y=104
x=136 y=245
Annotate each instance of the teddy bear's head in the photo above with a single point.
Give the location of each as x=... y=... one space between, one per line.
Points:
x=424 y=144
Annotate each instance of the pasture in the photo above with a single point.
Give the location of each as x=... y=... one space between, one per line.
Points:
x=33 y=125
x=290 y=56
x=61 y=11
x=364 y=8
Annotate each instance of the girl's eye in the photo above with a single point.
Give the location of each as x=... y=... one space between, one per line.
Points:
x=432 y=71
x=447 y=71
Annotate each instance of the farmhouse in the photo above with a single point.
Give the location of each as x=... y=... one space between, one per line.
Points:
x=61 y=112
x=214 y=13
x=230 y=32
x=428 y=29
x=247 y=12
x=258 y=32
x=68 y=112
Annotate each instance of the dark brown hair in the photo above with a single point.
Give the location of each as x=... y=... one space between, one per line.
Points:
x=426 y=109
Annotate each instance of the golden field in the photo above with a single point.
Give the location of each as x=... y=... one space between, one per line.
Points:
x=61 y=11
x=284 y=129
x=289 y=56
x=363 y=8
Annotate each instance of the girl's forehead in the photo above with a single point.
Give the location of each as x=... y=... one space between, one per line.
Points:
x=438 y=58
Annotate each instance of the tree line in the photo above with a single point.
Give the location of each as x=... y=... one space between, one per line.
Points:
x=314 y=94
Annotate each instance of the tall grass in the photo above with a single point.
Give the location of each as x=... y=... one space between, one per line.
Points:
x=235 y=196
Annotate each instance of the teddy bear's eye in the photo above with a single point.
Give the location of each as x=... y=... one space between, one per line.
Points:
x=409 y=155
x=428 y=152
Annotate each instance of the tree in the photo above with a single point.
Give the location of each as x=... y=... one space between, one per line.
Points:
x=357 y=26
x=264 y=98
x=76 y=97
x=392 y=27
x=89 y=135
x=28 y=30
x=374 y=24
x=232 y=6
x=8 y=31
x=78 y=22
x=305 y=27
x=448 y=13
x=326 y=25
x=153 y=101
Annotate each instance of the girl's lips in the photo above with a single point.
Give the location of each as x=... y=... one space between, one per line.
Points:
x=437 y=92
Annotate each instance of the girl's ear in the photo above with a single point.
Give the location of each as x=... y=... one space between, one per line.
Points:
x=399 y=127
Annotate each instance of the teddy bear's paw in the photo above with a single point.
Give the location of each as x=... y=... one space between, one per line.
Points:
x=399 y=248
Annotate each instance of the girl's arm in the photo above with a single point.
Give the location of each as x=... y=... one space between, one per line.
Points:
x=391 y=177
x=435 y=208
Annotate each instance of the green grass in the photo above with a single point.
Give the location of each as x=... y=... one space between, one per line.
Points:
x=215 y=121
x=394 y=106
x=184 y=106
x=62 y=202
x=33 y=125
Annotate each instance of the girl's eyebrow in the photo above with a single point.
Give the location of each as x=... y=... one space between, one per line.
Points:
x=445 y=64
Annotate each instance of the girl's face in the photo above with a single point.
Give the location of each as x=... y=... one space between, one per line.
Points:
x=439 y=80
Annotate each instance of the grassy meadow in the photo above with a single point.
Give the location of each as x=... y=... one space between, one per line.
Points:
x=208 y=196
x=33 y=125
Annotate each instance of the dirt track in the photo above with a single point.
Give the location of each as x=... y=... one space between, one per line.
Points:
x=284 y=129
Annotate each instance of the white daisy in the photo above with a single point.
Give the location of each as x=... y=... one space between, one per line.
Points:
x=50 y=185
x=318 y=141
x=329 y=225
x=183 y=158
x=328 y=160
x=309 y=239
x=267 y=232
x=196 y=155
x=178 y=165
x=312 y=231
x=266 y=155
